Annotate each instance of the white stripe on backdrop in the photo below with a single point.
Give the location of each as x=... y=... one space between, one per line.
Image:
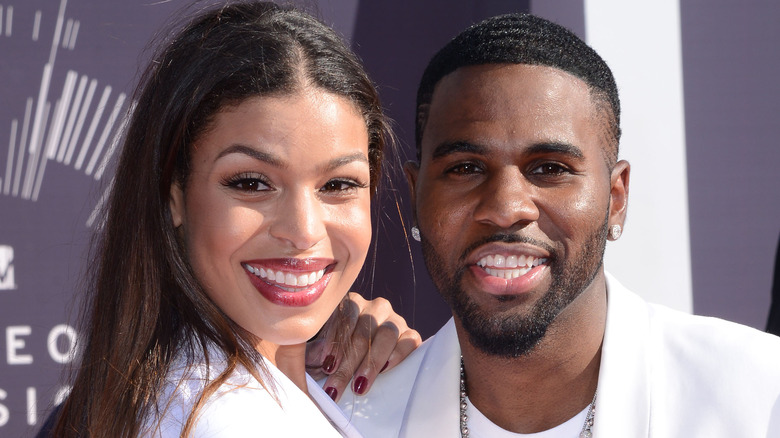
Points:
x=641 y=43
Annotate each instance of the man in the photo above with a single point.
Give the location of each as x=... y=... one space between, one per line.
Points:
x=516 y=190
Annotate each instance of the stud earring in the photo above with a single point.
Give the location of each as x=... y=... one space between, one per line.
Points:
x=615 y=231
x=415 y=233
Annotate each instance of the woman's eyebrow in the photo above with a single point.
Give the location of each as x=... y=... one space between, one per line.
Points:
x=253 y=153
x=346 y=159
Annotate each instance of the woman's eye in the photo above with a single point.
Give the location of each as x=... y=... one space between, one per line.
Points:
x=341 y=185
x=247 y=184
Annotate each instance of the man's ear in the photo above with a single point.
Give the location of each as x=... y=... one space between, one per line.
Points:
x=618 y=196
x=176 y=203
x=411 y=169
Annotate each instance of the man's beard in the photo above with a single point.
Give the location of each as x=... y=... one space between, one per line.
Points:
x=514 y=335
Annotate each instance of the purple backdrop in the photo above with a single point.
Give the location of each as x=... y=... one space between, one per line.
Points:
x=731 y=95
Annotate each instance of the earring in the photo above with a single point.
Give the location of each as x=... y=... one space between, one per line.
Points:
x=415 y=233
x=615 y=231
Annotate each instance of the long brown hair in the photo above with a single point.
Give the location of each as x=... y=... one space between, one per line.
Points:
x=144 y=304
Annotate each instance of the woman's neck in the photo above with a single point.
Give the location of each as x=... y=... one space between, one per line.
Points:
x=289 y=359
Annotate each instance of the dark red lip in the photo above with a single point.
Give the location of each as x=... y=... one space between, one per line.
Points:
x=300 y=297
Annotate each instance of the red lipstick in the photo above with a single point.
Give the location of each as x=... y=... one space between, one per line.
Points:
x=268 y=277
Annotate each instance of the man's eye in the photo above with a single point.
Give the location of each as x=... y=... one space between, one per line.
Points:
x=464 y=169
x=549 y=169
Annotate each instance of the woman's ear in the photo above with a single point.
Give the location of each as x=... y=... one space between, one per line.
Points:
x=176 y=203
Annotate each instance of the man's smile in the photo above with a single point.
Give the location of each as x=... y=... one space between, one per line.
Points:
x=509 y=267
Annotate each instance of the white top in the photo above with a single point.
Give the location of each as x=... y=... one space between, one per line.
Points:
x=481 y=427
x=241 y=407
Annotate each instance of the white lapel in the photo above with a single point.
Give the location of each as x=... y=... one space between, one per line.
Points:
x=331 y=409
x=433 y=408
x=623 y=404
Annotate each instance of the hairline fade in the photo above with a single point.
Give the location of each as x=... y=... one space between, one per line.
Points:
x=525 y=39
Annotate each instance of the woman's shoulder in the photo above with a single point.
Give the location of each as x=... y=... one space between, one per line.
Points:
x=240 y=406
x=240 y=394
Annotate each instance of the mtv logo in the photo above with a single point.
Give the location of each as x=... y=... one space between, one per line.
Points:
x=7 y=268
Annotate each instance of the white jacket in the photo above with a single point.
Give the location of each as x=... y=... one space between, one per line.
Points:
x=663 y=373
x=242 y=407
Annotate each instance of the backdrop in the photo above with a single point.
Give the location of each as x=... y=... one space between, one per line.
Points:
x=698 y=81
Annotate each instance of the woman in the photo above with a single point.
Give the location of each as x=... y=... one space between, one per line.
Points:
x=238 y=219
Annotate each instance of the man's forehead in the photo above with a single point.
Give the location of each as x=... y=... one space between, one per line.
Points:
x=473 y=78
x=522 y=93
x=487 y=99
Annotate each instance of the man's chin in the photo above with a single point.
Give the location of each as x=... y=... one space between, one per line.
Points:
x=506 y=329
x=505 y=337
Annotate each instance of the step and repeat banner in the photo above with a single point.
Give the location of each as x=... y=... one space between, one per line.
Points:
x=700 y=109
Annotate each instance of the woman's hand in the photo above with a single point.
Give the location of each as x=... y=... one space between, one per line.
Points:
x=375 y=339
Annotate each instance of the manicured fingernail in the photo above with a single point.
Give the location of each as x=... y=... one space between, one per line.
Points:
x=385 y=367
x=360 y=385
x=329 y=364
x=332 y=392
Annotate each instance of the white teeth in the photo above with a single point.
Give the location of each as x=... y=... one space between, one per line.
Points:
x=286 y=278
x=507 y=273
x=509 y=267
x=523 y=260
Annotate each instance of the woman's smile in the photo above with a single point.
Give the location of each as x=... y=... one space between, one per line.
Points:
x=290 y=282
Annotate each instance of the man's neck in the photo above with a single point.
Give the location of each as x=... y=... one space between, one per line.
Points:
x=550 y=384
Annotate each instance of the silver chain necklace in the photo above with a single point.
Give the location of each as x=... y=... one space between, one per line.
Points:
x=464 y=418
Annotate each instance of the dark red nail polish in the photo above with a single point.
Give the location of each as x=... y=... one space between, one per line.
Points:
x=360 y=385
x=385 y=367
x=329 y=364
x=332 y=392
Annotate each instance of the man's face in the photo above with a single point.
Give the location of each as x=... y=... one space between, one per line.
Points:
x=513 y=198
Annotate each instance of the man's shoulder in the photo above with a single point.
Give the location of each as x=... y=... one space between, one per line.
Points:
x=380 y=412
x=694 y=337
x=673 y=327
x=709 y=339
x=673 y=366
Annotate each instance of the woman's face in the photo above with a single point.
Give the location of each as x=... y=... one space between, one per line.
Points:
x=276 y=211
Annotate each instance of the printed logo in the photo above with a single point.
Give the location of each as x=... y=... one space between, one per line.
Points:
x=7 y=268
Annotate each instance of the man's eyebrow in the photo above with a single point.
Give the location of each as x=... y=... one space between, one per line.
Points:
x=445 y=149
x=556 y=148
x=253 y=153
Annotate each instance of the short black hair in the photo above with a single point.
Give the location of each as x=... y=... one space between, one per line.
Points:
x=523 y=39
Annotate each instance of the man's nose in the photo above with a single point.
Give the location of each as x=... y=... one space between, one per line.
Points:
x=506 y=199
